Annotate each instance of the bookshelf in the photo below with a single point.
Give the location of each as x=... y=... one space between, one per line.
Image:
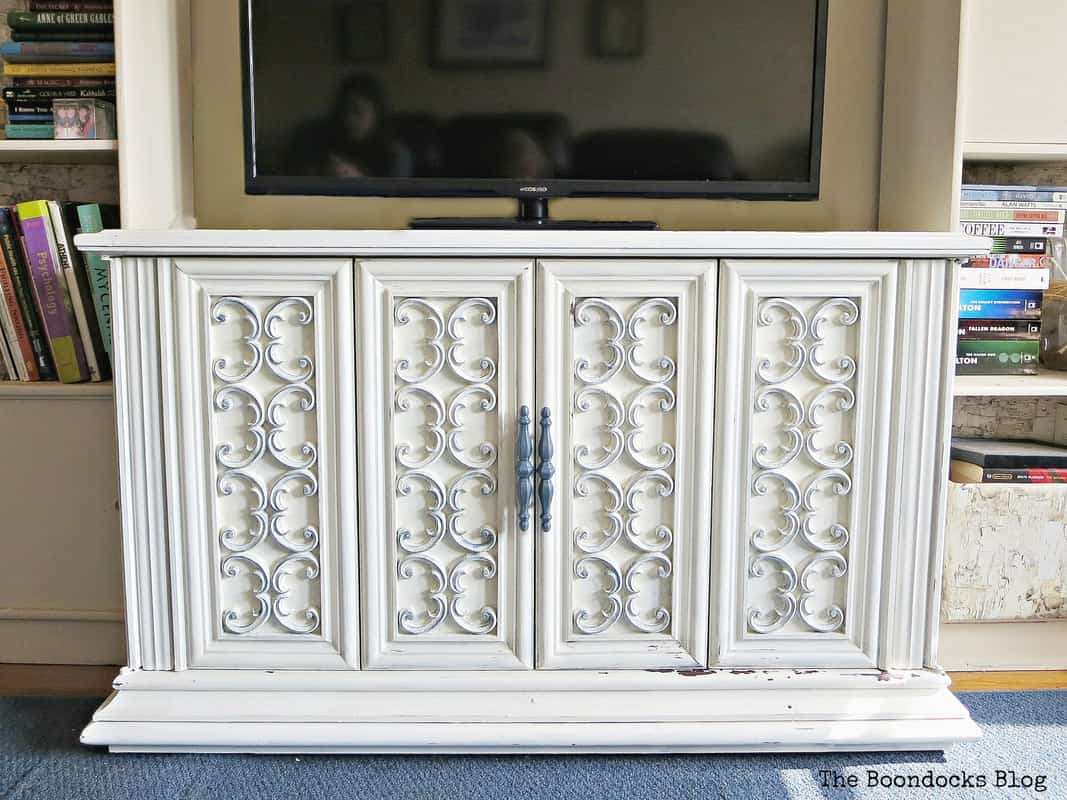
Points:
x=1047 y=383
x=58 y=151
x=1014 y=151
x=17 y=390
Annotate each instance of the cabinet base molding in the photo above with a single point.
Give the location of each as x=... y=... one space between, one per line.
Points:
x=447 y=712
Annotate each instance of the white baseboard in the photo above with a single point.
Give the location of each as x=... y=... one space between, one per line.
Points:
x=990 y=646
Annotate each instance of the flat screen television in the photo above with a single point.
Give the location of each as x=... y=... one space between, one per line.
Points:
x=534 y=98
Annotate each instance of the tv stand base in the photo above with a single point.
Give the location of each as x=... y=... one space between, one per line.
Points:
x=532 y=215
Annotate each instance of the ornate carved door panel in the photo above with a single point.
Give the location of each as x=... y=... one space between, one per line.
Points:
x=446 y=361
x=626 y=370
x=258 y=365
x=805 y=360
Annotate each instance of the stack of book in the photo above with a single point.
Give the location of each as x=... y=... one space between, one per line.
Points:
x=55 y=314
x=1006 y=461
x=1001 y=295
x=61 y=62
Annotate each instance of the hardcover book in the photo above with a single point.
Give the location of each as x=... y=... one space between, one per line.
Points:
x=81 y=296
x=71 y=20
x=48 y=95
x=996 y=214
x=94 y=218
x=8 y=334
x=11 y=252
x=1009 y=261
x=999 y=304
x=1035 y=279
x=999 y=329
x=997 y=357
x=53 y=300
x=15 y=327
x=1046 y=229
x=67 y=52
x=1008 y=453
x=1019 y=244
x=71 y=5
x=44 y=35
x=61 y=70
x=1037 y=194
x=965 y=472
x=29 y=130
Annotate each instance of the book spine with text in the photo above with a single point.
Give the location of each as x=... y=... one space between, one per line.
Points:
x=11 y=251
x=1000 y=304
x=47 y=52
x=18 y=335
x=1033 y=194
x=8 y=334
x=989 y=329
x=1009 y=261
x=48 y=95
x=60 y=70
x=1045 y=229
x=71 y=20
x=1014 y=204
x=1019 y=244
x=71 y=5
x=995 y=214
x=91 y=221
x=1029 y=279
x=997 y=357
x=80 y=296
x=53 y=301
x=1024 y=475
x=61 y=36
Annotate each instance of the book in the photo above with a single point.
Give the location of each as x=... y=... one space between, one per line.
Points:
x=29 y=108
x=1045 y=229
x=71 y=5
x=17 y=345
x=965 y=472
x=1017 y=244
x=999 y=304
x=93 y=218
x=32 y=119
x=64 y=226
x=11 y=254
x=29 y=130
x=990 y=214
x=63 y=83
x=67 y=52
x=999 y=329
x=1037 y=194
x=997 y=357
x=61 y=36
x=1050 y=206
x=71 y=20
x=48 y=95
x=53 y=300
x=1008 y=453
x=7 y=365
x=63 y=70
x=971 y=278
x=1009 y=261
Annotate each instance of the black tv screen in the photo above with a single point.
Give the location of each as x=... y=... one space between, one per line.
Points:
x=719 y=98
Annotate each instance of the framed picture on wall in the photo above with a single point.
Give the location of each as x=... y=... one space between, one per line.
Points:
x=363 y=30
x=489 y=33
x=618 y=28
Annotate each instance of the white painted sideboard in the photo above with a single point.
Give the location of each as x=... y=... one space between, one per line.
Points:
x=532 y=491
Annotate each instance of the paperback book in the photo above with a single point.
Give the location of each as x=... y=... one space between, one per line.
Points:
x=999 y=329
x=1000 y=304
x=997 y=357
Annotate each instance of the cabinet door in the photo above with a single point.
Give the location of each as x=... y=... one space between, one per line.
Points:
x=626 y=370
x=259 y=418
x=446 y=353
x=805 y=388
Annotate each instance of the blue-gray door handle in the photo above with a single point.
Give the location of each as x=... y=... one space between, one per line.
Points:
x=545 y=470
x=524 y=468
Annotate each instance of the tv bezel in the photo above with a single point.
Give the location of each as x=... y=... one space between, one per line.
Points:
x=312 y=185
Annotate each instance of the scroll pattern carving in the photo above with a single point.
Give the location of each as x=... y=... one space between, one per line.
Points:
x=445 y=434
x=623 y=428
x=802 y=453
x=264 y=431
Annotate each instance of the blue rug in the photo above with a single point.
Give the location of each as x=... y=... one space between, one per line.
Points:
x=1023 y=753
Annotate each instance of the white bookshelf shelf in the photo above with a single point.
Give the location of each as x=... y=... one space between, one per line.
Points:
x=1047 y=383
x=59 y=151
x=53 y=390
x=1015 y=151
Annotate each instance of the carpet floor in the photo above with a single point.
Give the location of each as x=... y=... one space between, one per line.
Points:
x=1023 y=753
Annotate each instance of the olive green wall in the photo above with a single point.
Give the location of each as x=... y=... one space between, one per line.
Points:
x=850 y=165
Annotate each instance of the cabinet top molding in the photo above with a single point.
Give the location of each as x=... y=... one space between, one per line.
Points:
x=714 y=244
